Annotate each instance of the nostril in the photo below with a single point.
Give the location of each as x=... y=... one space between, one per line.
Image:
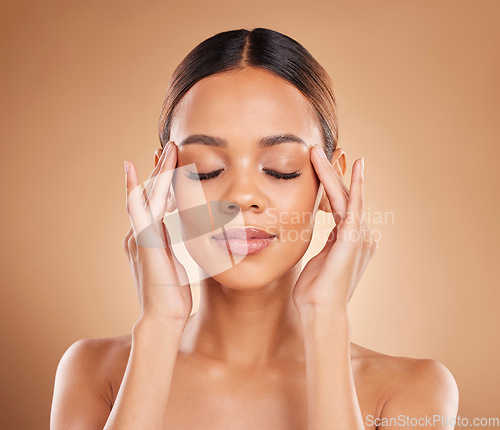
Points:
x=225 y=206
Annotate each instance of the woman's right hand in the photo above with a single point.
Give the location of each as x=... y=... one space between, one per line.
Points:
x=161 y=280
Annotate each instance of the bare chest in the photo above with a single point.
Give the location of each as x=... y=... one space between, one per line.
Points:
x=204 y=397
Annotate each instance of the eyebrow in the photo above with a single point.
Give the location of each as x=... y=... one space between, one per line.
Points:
x=265 y=142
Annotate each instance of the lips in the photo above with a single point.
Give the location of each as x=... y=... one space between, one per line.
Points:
x=244 y=241
x=247 y=233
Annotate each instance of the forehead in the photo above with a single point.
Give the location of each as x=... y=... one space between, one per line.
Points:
x=251 y=101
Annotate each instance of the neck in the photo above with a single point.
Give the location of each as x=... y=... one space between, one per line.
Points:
x=248 y=328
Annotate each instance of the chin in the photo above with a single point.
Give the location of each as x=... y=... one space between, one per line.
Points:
x=252 y=274
x=241 y=281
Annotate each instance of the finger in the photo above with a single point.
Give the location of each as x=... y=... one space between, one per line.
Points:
x=134 y=198
x=132 y=246
x=126 y=238
x=327 y=176
x=145 y=192
x=157 y=198
x=144 y=229
x=150 y=181
x=355 y=202
x=346 y=191
x=342 y=184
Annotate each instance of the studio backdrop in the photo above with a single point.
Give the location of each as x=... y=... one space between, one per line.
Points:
x=417 y=89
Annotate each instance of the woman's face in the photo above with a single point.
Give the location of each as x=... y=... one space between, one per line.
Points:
x=241 y=108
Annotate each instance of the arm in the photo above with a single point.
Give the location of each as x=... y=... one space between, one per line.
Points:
x=322 y=293
x=166 y=303
x=81 y=398
x=141 y=402
x=426 y=398
x=165 y=297
x=331 y=394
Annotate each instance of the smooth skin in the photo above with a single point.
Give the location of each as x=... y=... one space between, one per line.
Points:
x=269 y=347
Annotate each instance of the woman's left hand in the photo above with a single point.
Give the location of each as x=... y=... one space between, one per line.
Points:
x=329 y=279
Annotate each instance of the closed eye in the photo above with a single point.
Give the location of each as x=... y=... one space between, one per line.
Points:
x=204 y=176
x=215 y=173
x=282 y=175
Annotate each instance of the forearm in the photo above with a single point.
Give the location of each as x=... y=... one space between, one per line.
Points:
x=331 y=393
x=141 y=402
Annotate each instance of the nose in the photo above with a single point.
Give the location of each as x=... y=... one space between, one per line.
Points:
x=244 y=192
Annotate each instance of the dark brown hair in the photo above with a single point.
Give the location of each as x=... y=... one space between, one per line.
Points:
x=262 y=48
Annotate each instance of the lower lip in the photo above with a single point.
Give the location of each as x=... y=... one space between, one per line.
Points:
x=244 y=247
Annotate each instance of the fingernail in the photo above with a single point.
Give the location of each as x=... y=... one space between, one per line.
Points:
x=125 y=165
x=362 y=164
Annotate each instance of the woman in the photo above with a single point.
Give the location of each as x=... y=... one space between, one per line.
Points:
x=250 y=119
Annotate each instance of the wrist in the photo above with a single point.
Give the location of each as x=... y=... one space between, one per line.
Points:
x=314 y=318
x=332 y=313
x=149 y=326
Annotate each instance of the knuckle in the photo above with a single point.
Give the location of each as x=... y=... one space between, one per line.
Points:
x=126 y=239
x=128 y=207
x=132 y=246
x=131 y=241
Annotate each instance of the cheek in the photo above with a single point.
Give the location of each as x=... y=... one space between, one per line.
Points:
x=188 y=193
x=300 y=194
x=295 y=217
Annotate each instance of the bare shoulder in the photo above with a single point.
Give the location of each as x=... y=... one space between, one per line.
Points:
x=400 y=380
x=98 y=352
x=86 y=382
x=100 y=361
x=400 y=369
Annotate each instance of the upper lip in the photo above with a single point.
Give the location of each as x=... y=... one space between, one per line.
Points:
x=244 y=233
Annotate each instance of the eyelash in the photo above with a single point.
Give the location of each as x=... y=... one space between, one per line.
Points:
x=214 y=174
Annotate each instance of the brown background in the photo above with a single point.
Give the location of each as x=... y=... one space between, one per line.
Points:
x=417 y=88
